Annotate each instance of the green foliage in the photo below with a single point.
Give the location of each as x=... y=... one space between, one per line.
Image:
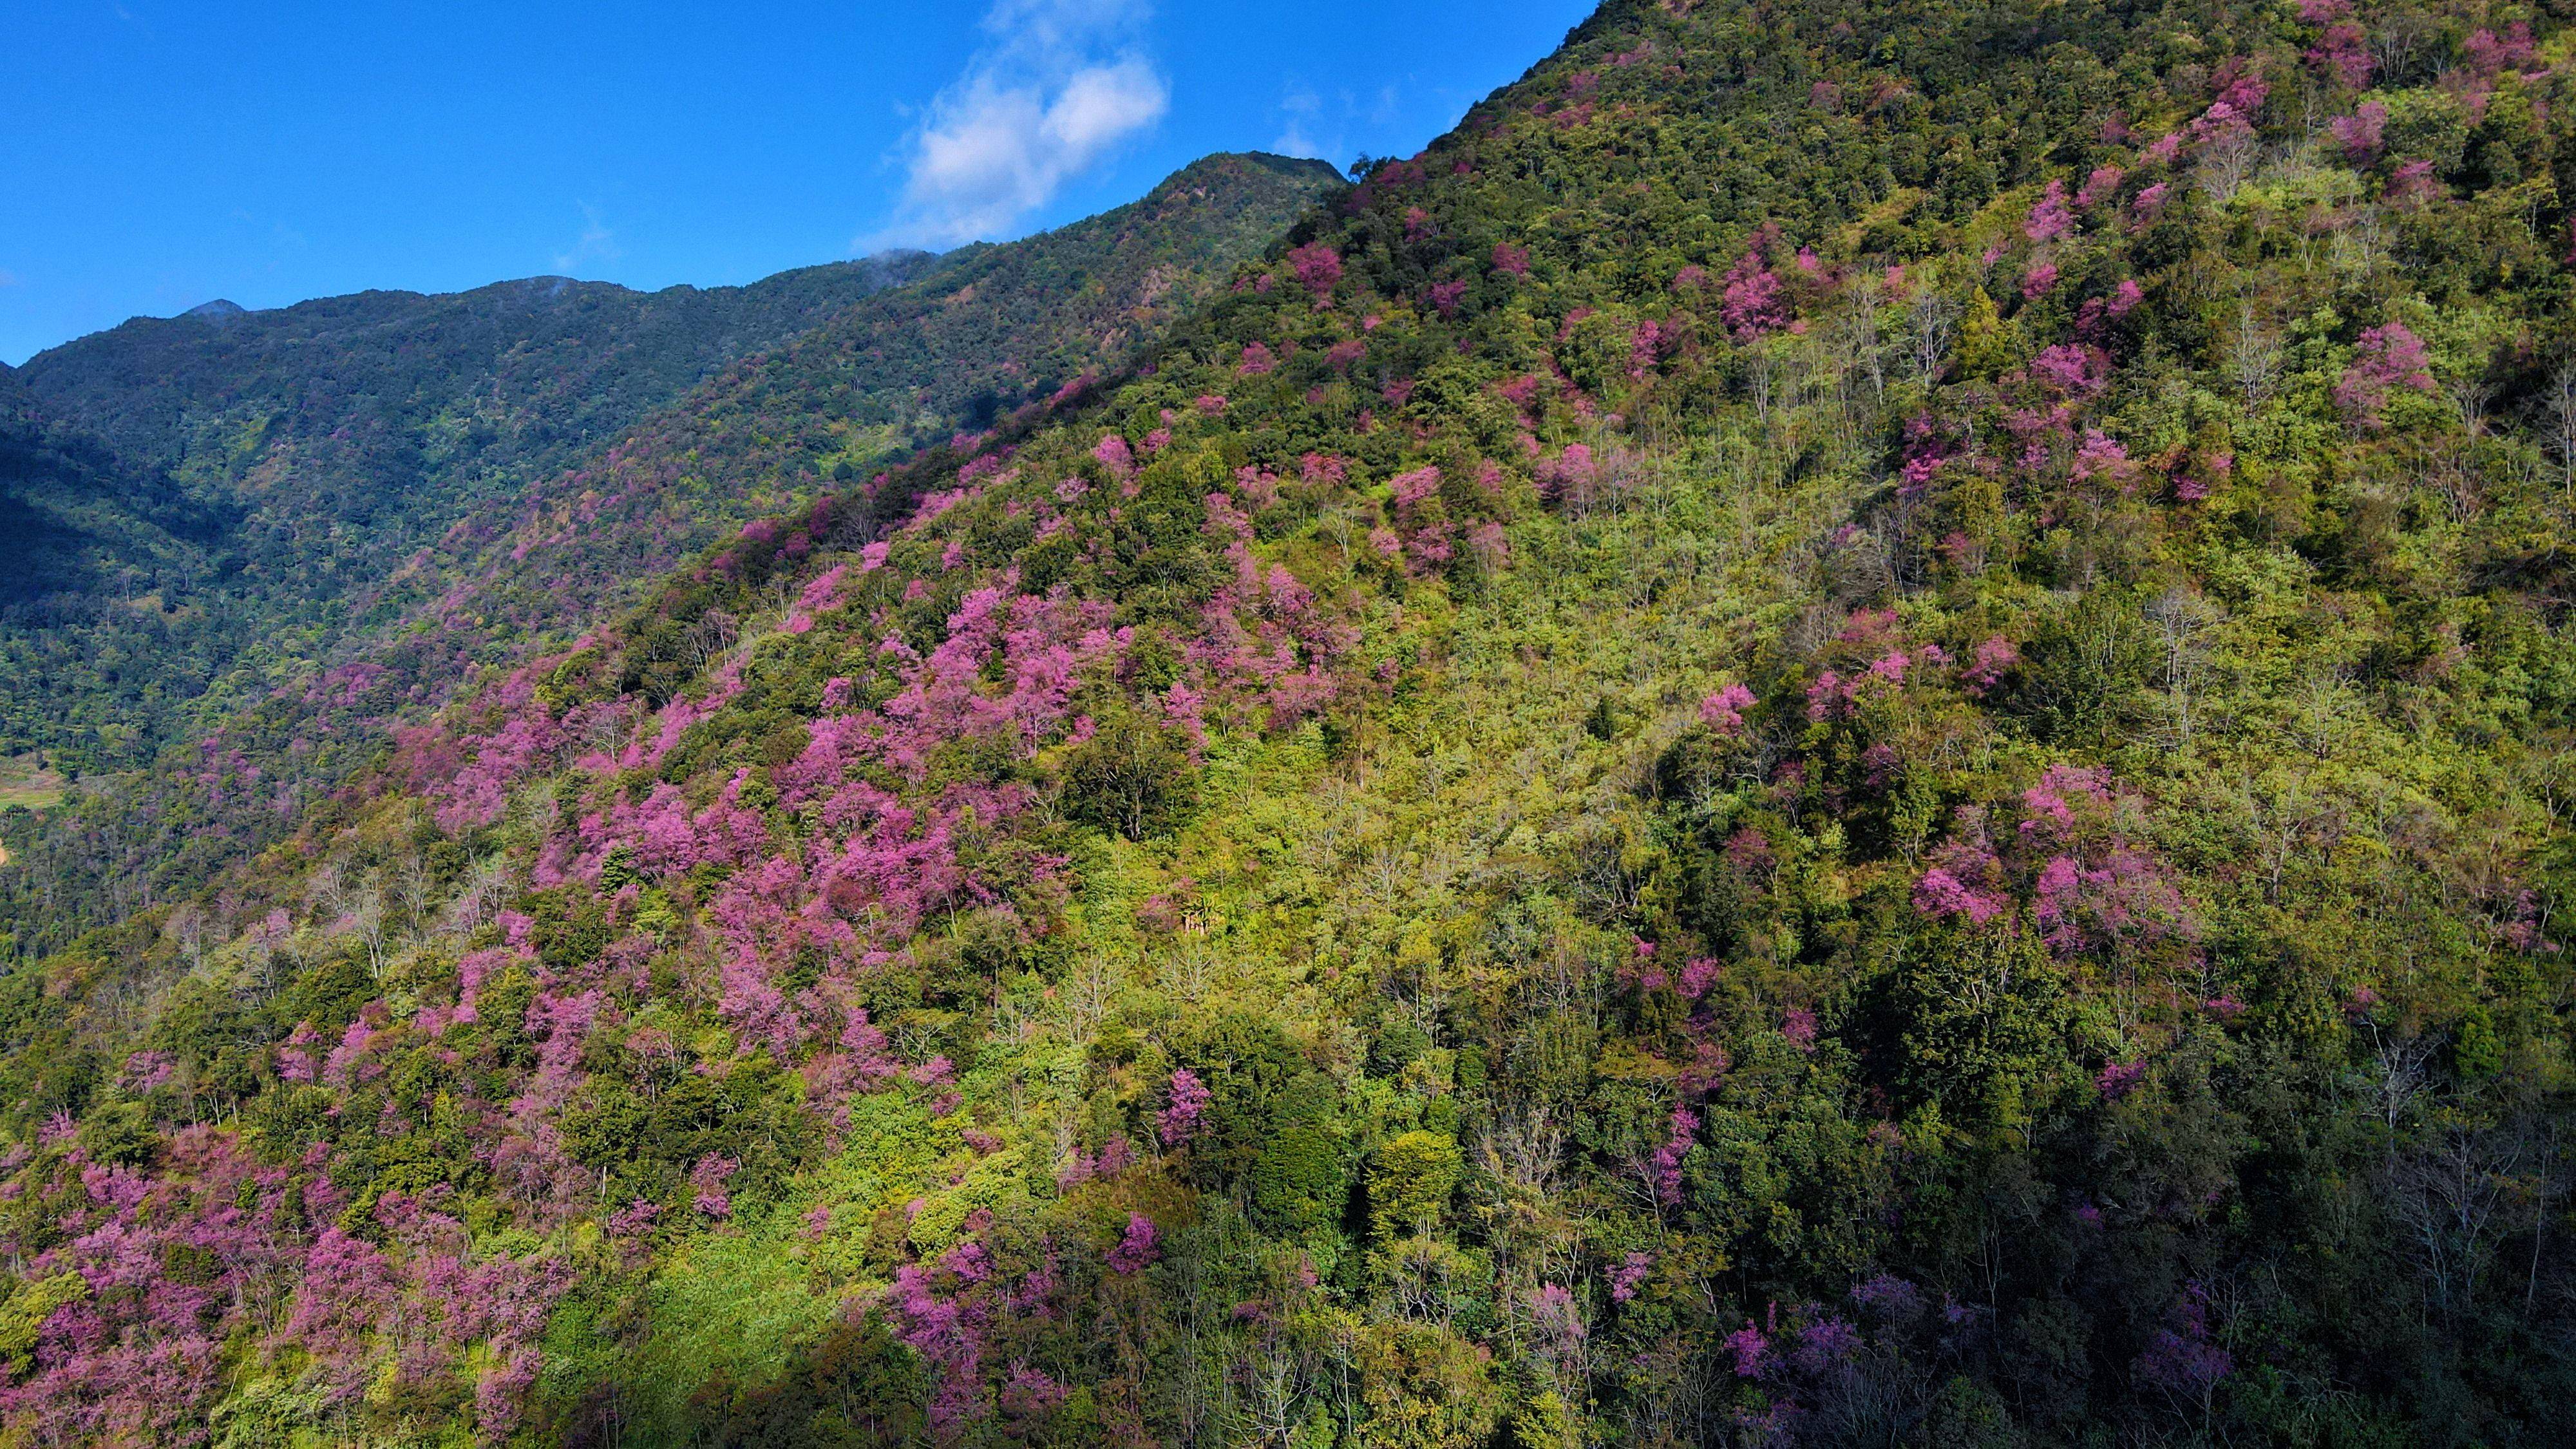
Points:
x=1961 y=841
x=25 y=1310
x=396 y=493
x=1128 y=779
x=1409 y=1182
x=1300 y=1180
x=119 y=1132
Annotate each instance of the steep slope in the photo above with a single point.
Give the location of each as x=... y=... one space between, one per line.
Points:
x=364 y=444
x=998 y=329
x=345 y=399
x=84 y=533
x=1849 y=729
x=515 y=562
x=80 y=521
x=336 y=438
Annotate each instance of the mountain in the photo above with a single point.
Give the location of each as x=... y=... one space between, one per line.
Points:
x=346 y=400
x=1846 y=729
x=101 y=566
x=361 y=447
x=76 y=515
x=332 y=440
x=292 y=637
x=998 y=330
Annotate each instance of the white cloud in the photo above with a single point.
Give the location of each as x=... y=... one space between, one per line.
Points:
x=1295 y=142
x=1322 y=126
x=1057 y=86
x=1302 y=106
x=598 y=243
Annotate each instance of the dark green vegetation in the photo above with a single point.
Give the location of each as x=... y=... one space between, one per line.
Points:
x=1853 y=728
x=74 y=515
x=281 y=482
x=348 y=509
x=317 y=449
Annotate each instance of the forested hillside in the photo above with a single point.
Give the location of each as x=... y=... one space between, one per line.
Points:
x=998 y=331
x=76 y=519
x=474 y=556
x=1850 y=728
x=333 y=441
x=356 y=457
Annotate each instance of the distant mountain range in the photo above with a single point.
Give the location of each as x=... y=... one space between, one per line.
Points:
x=221 y=500
x=1854 y=727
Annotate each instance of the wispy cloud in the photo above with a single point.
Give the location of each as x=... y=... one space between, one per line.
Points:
x=280 y=236
x=8 y=278
x=1303 y=108
x=1317 y=125
x=1055 y=88
x=597 y=243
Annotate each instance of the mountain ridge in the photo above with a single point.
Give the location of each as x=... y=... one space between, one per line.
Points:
x=1846 y=729
x=529 y=561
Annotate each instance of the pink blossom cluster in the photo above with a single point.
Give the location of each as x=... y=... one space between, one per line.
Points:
x=1318 y=269
x=1755 y=302
x=2389 y=357
x=1138 y=1249
x=1186 y=1106
x=1666 y=1164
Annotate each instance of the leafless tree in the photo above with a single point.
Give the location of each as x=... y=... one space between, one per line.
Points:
x=1933 y=323
x=366 y=920
x=188 y=928
x=2468 y=396
x=1275 y=1391
x=2256 y=353
x=2227 y=160
x=327 y=892
x=2397 y=1077
x=414 y=887
x=2451 y=1194
x=1523 y=1147
x=712 y=636
x=1762 y=379
x=487 y=884
x=261 y=946
x=2180 y=617
x=1867 y=350
x=2559 y=412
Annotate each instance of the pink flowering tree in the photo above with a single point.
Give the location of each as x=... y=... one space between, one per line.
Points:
x=1138 y=1249
x=1755 y=302
x=1724 y=710
x=1318 y=269
x=2361 y=133
x=1185 y=1108
x=2389 y=360
x=2049 y=219
x=2092 y=888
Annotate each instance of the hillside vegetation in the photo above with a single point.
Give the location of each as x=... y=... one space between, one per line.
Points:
x=324 y=445
x=254 y=691
x=1850 y=728
x=350 y=464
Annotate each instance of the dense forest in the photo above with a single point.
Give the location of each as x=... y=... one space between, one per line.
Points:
x=1849 y=728
x=358 y=467
x=221 y=672
x=324 y=446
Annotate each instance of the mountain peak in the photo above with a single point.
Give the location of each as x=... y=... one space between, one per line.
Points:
x=1230 y=166
x=218 y=310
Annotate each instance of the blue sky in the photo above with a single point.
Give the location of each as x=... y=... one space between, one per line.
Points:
x=161 y=153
